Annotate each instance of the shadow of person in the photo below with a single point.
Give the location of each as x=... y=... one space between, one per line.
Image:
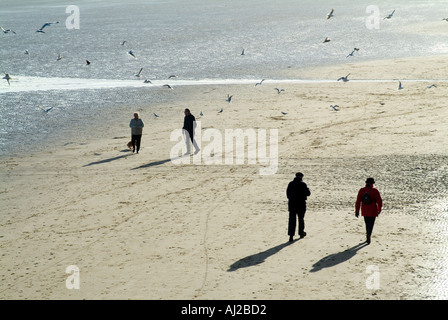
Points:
x=258 y=258
x=337 y=258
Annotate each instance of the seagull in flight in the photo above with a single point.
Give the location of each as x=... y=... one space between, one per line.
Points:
x=259 y=83
x=445 y=19
x=123 y=42
x=201 y=114
x=155 y=115
x=45 y=110
x=7 y=30
x=284 y=113
x=390 y=15
x=220 y=111
x=400 y=87
x=431 y=86
x=167 y=86
x=353 y=52
x=172 y=76
x=27 y=52
x=59 y=57
x=345 y=79
x=330 y=14
x=242 y=52
x=7 y=77
x=132 y=54
x=335 y=107
x=147 y=81
x=139 y=74
x=326 y=40
x=229 y=97
x=279 y=90
x=47 y=24
x=87 y=62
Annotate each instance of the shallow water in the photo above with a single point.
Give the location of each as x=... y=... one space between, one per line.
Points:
x=194 y=39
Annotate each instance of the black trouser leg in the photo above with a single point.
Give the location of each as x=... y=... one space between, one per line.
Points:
x=136 y=139
x=292 y=221
x=370 y=222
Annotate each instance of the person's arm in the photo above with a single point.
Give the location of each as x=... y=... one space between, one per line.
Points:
x=132 y=123
x=358 y=203
x=379 y=202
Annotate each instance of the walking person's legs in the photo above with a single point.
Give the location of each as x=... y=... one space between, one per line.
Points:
x=370 y=222
x=301 y=215
x=291 y=225
x=138 y=140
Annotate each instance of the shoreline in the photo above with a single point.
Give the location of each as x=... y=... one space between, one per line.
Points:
x=141 y=227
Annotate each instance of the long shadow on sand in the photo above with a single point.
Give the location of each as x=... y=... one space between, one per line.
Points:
x=258 y=258
x=107 y=160
x=157 y=163
x=337 y=258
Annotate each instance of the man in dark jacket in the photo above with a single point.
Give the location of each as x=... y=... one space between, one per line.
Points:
x=189 y=126
x=297 y=193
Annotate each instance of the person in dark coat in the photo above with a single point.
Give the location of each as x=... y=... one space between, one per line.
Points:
x=189 y=126
x=297 y=193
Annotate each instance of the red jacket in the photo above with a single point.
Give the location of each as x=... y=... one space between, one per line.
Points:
x=369 y=210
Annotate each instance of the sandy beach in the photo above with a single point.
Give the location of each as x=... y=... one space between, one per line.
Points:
x=138 y=226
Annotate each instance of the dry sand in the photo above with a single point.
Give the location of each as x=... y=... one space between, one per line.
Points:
x=141 y=227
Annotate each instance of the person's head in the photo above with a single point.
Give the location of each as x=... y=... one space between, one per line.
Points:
x=370 y=181
x=136 y=115
x=299 y=175
x=187 y=111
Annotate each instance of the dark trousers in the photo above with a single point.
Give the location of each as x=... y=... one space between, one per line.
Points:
x=136 y=139
x=369 y=221
x=300 y=213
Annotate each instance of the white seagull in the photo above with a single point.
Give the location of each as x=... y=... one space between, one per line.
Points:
x=132 y=54
x=201 y=114
x=27 y=52
x=335 y=107
x=330 y=14
x=59 y=57
x=259 y=83
x=390 y=15
x=7 y=77
x=123 y=43
x=445 y=19
x=168 y=86
x=279 y=90
x=326 y=40
x=147 y=81
x=155 y=115
x=7 y=30
x=345 y=79
x=220 y=111
x=47 y=24
x=139 y=74
x=45 y=110
x=229 y=98
x=400 y=87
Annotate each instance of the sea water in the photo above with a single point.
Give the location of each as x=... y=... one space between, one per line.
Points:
x=199 y=41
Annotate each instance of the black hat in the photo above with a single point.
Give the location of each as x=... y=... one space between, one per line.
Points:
x=299 y=174
x=370 y=180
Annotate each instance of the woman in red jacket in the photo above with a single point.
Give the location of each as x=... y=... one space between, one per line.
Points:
x=370 y=202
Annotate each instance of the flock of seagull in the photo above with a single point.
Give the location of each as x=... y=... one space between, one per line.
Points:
x=330 y=15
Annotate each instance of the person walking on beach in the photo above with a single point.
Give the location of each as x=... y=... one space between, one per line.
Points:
x=189 y=126
x=371 y=204
x=297 y=193
x=136 y=125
